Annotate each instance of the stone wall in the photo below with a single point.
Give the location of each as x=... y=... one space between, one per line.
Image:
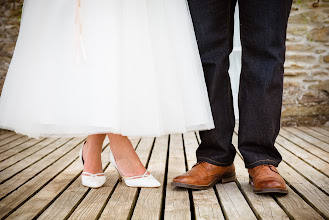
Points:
x=306 y=82
x=306 y=86
x=9 y=27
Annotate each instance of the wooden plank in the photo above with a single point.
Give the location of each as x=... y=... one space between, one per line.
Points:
x=312 y=175
x=205 y=201
x=12 y=144
x=67 y=202
x=315 y=197
x=297 y=207
x=177 y=205
x=310 y=159
x=265 y=207
x=315 y=134
x=20 y=148
x=6 y=141
x=27 y=162
x=6 y=135
x=93 y=204
x=234 y=204
x=149 y=203
x=324 y=146
x=292 y=203
x=122 y=200
x=29 y=188
x=22 y=155
x=53 y=189
x=20 y=178
x=321 y=130
x=323 y=155
x=3 y=131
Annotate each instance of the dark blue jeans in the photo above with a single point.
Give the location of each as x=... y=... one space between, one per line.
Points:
x=263 y=34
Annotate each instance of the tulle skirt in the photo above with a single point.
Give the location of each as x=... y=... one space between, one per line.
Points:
x=97 y=66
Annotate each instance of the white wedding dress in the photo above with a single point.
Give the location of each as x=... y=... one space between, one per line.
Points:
x=120 y=66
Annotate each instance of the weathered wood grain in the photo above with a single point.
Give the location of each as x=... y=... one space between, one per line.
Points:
x=177 y=205
x=323 y=145
x=292 y=203
x=323 y=155
x=27 y=162
x=149 y=203
x=53 y=189
x=309 y=158
x=308 y=191
x=6 y=134
x=122 y=200
x=234 y=204
x=315 y=134
x=20 y=148
x=321 y=130
x=205 y=201
x=93 y=204
x=35 y=169
x=297 y=207
x=44 y=179
x=311 y=174
x=4 y=142
x=26 y=153
x=69 y=200
x=12 y=145
x=29 y=188
x=265 y=206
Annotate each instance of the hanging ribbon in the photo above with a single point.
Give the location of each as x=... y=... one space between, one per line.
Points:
x=80 y=53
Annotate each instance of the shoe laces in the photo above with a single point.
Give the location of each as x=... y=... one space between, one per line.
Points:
x=200 y=162
x=268 y=165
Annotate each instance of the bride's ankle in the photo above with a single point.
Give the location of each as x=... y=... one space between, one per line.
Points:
x=92 y=159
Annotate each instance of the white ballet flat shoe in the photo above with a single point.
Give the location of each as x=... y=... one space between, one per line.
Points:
x=145 y=180
x=89 y=179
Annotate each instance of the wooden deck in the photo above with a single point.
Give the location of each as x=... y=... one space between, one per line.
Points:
x=41 y=179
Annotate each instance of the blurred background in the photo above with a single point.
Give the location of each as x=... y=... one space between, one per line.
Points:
x=306 y=81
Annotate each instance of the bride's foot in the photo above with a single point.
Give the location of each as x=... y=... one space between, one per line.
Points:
x=128 y=164
x=90 y=155
x=92 y=158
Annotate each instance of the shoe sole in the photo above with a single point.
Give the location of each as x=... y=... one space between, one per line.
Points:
x=92 y=187
x=223 y=180
x=270 y=190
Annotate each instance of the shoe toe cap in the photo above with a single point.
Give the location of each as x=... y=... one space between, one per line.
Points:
x=273 y=184
x=186 y=179
x=147 y=182
x=93 y=182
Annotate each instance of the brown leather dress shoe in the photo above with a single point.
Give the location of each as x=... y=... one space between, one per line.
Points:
x=266 y=179
x=204 y=175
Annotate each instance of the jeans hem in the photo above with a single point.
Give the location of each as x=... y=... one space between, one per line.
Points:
x=261 y=162
x=213 y=162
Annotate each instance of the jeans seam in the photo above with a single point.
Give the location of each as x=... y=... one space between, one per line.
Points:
x=262 y=160
x=214 y=160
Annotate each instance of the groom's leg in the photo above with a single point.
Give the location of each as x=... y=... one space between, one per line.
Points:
x=214 y=25
x=263 y=35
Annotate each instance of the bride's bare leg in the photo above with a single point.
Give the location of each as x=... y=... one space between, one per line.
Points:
x=125 y=156
x=92 y=153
